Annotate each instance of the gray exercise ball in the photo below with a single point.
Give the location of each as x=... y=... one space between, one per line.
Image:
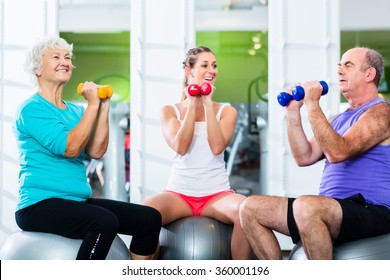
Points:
x=195 y=238
x=28 y=245
x=373 y=248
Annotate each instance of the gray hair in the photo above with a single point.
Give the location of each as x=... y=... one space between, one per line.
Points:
x=374 y=59
x=34 y=60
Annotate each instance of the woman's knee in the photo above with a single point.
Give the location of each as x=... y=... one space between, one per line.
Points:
x=107 y=223
x=152 y=219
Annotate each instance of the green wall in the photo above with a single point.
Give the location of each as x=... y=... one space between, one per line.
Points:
x=370 y=39
x=103 y=58
x=98 y=55
x=236 y=67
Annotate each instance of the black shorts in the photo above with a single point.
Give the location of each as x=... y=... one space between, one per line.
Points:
x=360 y=220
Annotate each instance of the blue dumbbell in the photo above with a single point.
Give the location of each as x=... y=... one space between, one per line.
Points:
x=284 y=98
x=298 y=93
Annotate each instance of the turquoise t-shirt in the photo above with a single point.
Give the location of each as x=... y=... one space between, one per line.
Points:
x=41 y=131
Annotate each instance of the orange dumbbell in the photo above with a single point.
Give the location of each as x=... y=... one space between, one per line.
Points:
x=102 y=91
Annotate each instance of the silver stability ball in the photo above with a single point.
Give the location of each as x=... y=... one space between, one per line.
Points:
x=195 y=238
x=373 y=248
x=28 y=245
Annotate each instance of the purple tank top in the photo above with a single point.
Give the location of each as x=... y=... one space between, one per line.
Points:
x=368 y=173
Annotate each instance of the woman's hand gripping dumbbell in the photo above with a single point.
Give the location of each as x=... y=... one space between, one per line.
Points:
x=203 y=89
x=298 y=93
x=103 y=91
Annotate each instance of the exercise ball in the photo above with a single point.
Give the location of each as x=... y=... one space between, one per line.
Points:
x=372 y=248
x=195 y=238
x=28 y=245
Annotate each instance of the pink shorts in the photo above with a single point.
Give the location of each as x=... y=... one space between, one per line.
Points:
x=197 y=204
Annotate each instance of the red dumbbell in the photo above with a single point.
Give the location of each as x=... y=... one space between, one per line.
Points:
x=206 y=88
x=195 y=89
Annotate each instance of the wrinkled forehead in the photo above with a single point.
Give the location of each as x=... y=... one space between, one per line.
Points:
x=356 y=55
x=60 y=51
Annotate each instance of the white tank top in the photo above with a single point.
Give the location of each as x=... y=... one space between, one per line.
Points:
x=199 y=172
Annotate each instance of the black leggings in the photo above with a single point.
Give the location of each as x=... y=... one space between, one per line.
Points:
x=96 y=221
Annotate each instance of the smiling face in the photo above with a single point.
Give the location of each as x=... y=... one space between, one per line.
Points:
x=204 y=70
x=57 y=66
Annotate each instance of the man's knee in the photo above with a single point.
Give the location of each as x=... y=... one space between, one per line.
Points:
x=306 y=209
